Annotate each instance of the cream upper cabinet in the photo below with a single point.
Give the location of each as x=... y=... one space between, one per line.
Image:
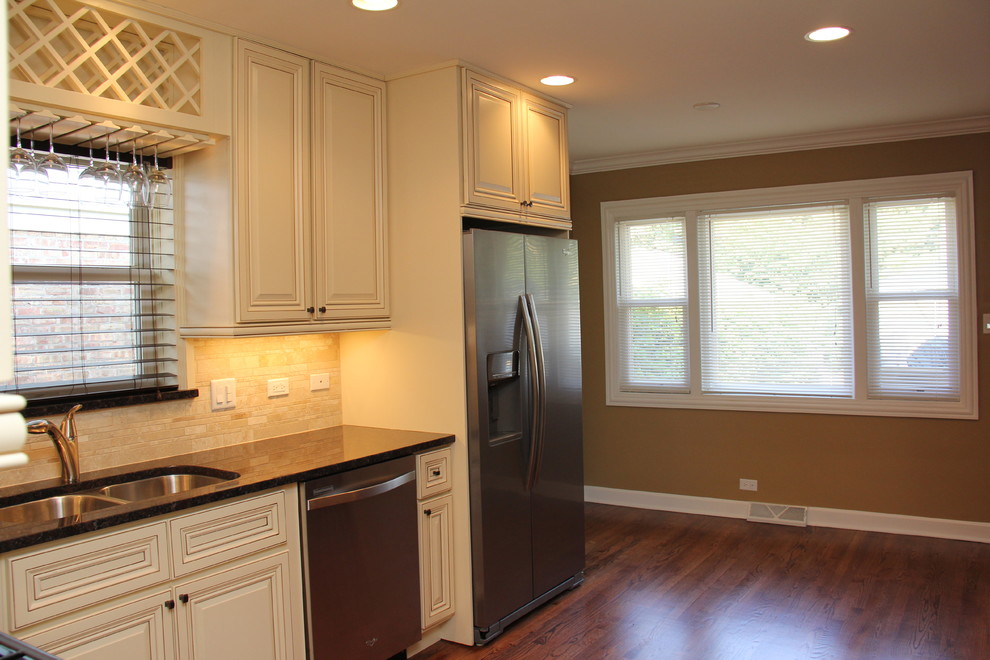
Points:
x=272 y=161
x=349 y=237
x=545 y=157
x=515 y=154
x=306 y=217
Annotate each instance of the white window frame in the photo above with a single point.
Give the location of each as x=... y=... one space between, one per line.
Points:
x=854 y=193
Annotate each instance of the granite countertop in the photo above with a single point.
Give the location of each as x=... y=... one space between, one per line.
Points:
x=261 y=464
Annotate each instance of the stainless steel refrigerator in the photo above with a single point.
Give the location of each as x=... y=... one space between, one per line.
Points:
x=522 y=320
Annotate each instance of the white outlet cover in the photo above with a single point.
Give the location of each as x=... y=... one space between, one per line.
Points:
x=278 y=387
x=319 y=382
x=747 y=484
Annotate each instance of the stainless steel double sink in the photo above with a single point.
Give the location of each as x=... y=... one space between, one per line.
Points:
x=135 y=487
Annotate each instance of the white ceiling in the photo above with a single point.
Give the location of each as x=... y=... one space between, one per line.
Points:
x=641 y=65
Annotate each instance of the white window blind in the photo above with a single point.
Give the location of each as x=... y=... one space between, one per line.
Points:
x=93 y=290
x=652 y=298
x=913 y=298
x=776 y=301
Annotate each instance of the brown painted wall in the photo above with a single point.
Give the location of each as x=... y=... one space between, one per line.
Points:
x=921 y=467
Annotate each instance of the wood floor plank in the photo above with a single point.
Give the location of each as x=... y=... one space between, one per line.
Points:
x=667 y=586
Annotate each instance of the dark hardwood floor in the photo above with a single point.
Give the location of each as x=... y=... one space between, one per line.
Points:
x=681 y=587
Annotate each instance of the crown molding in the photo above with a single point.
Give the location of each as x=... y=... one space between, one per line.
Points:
x=845 y=138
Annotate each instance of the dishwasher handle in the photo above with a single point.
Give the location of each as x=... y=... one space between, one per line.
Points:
x=359 y=493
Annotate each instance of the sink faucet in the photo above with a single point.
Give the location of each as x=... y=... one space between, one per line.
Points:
x=65 y=438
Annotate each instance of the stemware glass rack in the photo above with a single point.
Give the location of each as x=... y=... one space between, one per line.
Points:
x=42 y=125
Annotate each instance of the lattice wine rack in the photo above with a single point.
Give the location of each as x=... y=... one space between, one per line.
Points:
x=67 y=45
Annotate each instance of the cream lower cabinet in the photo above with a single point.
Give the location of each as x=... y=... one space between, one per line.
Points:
x=239 y=612
x=515 y=154
x=436 y=561
x=305 y=219
x=220 y=582
x=140 y=629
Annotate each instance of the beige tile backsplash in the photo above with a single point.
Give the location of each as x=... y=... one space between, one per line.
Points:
x=121 y=436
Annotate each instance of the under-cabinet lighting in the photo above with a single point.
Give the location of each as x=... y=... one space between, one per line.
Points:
x=375 y=5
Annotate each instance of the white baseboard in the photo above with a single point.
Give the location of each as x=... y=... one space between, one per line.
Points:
x=960 y=530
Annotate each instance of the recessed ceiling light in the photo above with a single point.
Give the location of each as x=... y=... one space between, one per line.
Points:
x=557 y=81
x=375 y=5
x=827 y=34
x=707 y=105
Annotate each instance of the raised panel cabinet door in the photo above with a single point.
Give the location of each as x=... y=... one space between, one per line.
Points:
x=492 y=149
x=547 y=168
x=138 y=630
x=436 y=560
x=349 y=228
x=243 y=611
x=272 y=163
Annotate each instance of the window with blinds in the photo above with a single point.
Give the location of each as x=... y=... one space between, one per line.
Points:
x=93 y=289
x=847 y=298
x=776 y=301
x=913 y=298
x=652 y=299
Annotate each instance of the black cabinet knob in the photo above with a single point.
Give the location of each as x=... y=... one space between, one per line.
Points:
x=169 y=604
x=310 y=309
x=183 y=598
x=427 y=512
x=323 y=310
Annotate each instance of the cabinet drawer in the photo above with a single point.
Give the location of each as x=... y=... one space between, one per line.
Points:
x=222 y=533
x=433 y=473
x=47 y=583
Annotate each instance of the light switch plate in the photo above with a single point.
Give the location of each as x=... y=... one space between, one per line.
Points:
x=223 y=394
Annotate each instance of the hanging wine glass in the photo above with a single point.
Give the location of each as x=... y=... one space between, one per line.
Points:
x=51 y=164
x=109 y=174
x=20 y=158
x=159 y=186
x=92 y=181
x=135 y=179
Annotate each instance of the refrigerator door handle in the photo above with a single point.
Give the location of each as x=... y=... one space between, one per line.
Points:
x=537 y=375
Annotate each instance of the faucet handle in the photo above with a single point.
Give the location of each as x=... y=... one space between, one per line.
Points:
x=68 y=425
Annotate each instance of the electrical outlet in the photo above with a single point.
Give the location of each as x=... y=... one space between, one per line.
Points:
x=278 y=387
x=747 y=484
x=223 y=394
x=319 y=382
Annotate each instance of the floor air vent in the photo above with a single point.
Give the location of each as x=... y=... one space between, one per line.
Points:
x=781 y=514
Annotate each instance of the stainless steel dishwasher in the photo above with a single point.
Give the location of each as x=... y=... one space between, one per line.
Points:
x=361 y=562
